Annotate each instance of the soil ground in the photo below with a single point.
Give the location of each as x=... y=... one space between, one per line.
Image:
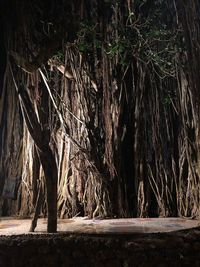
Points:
x=95 y=249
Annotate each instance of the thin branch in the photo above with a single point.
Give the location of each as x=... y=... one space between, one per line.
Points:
x=62 y=120
x=29 y=114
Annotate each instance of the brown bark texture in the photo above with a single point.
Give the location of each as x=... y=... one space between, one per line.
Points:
x=114 y=88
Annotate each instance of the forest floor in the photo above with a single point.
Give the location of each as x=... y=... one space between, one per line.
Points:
x=155 y=242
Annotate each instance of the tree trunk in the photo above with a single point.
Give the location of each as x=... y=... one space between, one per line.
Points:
x=47 y=159
x=122 y=122
x=50 y=172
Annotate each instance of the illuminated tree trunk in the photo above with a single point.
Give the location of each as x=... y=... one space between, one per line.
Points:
x=41 y=138
x=121 y=113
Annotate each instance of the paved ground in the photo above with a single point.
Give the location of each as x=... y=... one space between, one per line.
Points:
x=79 y=225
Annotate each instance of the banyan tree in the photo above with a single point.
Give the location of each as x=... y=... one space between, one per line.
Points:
x=99 y=109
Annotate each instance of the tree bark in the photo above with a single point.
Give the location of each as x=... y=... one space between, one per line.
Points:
x=50 y=172
x=47 y=159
